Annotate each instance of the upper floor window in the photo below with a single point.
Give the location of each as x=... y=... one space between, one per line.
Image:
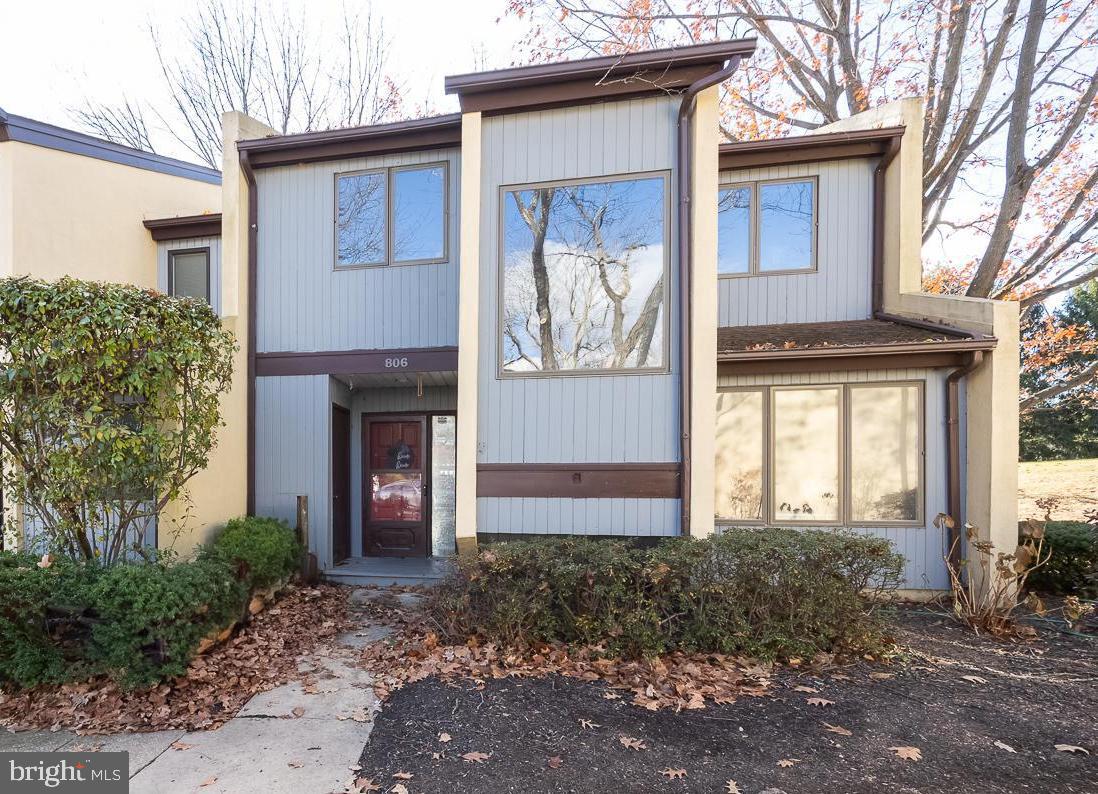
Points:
x=584 y=276
x=189 y=273
x=392 y=216
x=821 y=454
x=766 y=227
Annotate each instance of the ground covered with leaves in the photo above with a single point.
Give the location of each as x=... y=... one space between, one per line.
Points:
x=262 y=655
x=950 y=711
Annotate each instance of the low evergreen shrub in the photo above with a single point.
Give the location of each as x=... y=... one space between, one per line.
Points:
x=265 y=549
x=1073 y=567
x=768 y=593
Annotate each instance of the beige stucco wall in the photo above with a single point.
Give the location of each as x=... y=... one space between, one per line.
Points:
x=991 y=419
x=79 y=216
x=219 y=492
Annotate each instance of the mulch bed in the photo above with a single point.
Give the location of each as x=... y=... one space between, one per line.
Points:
x=529 y=734
x=262 y=655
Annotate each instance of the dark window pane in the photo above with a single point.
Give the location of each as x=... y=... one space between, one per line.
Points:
x=884 y=453
x=360 y=223
x=734 y=230
x=583 y=276
x=396 y=497
x=786 y=226
x=419 y=222
x=190 y=275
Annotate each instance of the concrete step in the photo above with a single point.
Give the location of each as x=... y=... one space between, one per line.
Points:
x=389 y=571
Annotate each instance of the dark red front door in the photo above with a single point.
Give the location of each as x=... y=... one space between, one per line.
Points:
x=394 y=486
x=341 y=483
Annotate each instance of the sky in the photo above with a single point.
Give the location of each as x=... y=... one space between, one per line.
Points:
x=56 y=55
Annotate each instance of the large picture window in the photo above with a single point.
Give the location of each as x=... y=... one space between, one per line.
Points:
x=821 y=455
x=391 y=216
x=766 y=227
x=584 y=276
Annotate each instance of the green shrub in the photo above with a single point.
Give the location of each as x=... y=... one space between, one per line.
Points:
x=266 y=549
x=1073 y=567
x=769 y=593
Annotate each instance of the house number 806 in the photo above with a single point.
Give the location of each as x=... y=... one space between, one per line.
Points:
x=394 y=363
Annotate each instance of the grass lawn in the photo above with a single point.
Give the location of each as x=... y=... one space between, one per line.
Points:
x=1073 y=483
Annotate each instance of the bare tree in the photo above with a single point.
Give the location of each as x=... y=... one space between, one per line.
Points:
x=1010 y=125
x=242 y=55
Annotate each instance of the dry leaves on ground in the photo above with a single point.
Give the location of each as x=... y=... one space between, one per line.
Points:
x=1072 y=748
x=731 y=787
x=632 y=744
x=261 y=656
x=444 y=737
x=821 y=702
x=908 y=753
x=785 y=763
x=677 y=681
x=839 y=729
x=554 y=762
x=673 y=774
x=475 y=757
x=1005 y=746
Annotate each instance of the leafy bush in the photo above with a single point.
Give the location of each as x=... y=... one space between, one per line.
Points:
x=266 y=549
x=769 y=593
x=137 y=622
x=1073 y=567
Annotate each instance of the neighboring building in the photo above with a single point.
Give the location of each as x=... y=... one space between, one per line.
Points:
x=569 y=309
x=75 y=205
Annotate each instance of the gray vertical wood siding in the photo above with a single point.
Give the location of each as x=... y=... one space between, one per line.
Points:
x=840 y=288
x=163 y=247
x=923 y=547
x=572 y=419
x=305 y=304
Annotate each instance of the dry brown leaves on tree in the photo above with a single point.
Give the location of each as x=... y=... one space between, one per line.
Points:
x=261 y=656
x=677 y=681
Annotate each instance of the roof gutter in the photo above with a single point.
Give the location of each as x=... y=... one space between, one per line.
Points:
x=253 y=236
x=684 y=166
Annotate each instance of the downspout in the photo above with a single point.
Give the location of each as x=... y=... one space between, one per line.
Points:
x=253 y=229
x=683 y=163
x=975 y=358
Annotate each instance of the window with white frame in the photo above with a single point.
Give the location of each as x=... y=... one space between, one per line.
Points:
x=834 y=454
x=766 y=227
x=391 y=216
x=584 y=276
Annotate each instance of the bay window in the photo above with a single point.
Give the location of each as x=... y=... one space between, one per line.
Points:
x=821 y=455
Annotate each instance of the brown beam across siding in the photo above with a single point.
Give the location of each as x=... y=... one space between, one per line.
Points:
x=842 y=363
x=184 y=227
x=358 y=362
x=808 y=148
x=580 y=480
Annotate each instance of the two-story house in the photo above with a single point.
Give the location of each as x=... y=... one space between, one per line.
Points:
x=570 y=309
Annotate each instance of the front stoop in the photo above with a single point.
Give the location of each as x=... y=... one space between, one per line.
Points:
x=389 y=571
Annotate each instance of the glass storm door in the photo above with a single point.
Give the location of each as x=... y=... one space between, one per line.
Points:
x=395 y=487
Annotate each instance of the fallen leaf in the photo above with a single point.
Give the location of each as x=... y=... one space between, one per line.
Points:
x=1072 y=748
x=181 y=746
x=588 y=724
x=46 y=561
x=444 y=737
x=785 y=763
x=908 y=753
x=732 y=788
x=366 y=784
x=880 y=676
x=554 y=762
x=821 y=702
x=298 y=711
x=839 y=729
x=208 y=781
x=1004 y=746
x=974 y=679
x=475 y=757
x=611 y=696
x=673 y=774
x=810 y=689
x=294 y=764
x=403 y=775
x=631 y=743
x=399 y=788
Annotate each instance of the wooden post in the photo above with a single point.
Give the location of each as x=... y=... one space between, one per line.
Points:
x=308 y=559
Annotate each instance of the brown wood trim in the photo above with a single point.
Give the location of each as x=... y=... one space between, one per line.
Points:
x=841 y=363
x=895 y=349
x=357 y=362
x=310 y=147
x=183 y=227
x=808 y=148
x=580 y=480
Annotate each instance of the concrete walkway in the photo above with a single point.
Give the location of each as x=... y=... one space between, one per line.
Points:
x=285 y=740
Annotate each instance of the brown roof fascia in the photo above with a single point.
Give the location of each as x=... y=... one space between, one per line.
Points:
x=436 y=132
x=184 y=226
x=847 y=351
x=593 y=79
x=844 y=363
x=808 y=148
